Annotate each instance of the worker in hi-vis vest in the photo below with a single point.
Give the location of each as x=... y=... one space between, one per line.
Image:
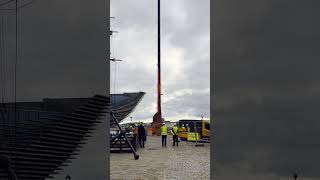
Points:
x=188 y=128
x=175 y=134
x=164 y=132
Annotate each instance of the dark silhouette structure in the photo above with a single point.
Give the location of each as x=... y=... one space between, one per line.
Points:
x=37 y=139
x=123 y=104
x=68 y=177
x=122 y=135
x=47 y=135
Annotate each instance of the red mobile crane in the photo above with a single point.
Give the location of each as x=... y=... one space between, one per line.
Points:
x=157 y=118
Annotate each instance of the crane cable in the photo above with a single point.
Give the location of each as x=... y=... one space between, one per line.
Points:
x=13 y=135
x=2 y=61
x=3 y=79
x=115 y=63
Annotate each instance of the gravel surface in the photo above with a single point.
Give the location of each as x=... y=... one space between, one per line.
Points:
x=155 y=162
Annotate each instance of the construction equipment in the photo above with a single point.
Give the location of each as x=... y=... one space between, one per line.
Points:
x=157 y=118
x=194 y=130
x=122 y=136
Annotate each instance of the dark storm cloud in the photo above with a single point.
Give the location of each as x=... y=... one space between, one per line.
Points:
x=265 y=74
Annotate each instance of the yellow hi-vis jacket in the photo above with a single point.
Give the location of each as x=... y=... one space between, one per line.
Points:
x=175 y=130
x=164 y=130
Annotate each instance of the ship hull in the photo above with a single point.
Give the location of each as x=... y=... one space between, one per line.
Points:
x=55 y=137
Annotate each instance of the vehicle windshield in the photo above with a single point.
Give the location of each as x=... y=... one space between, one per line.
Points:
x=190 y=124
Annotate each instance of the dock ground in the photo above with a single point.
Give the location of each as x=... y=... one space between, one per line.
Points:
x=183 y=162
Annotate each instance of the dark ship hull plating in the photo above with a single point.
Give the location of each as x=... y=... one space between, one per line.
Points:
x=40 y=138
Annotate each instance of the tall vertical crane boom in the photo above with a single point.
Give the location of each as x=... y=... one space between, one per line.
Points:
x=157 y=118
x=159 y=66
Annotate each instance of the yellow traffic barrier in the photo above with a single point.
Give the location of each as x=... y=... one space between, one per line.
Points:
x=193 y=136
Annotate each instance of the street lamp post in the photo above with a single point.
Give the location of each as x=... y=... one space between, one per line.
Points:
x=131 y=119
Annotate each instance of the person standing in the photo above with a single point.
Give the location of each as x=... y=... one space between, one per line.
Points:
x=164 y=132
x=175 y=134
x=187 y=128
x=142 y=135
x=136 y=129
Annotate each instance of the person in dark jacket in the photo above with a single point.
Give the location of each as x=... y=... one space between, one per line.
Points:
x=142 y=135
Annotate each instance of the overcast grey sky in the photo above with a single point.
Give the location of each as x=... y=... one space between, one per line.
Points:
x=185 y=46
x=266 y=102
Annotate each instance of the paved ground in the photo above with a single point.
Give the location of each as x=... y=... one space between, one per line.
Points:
x=155 y=162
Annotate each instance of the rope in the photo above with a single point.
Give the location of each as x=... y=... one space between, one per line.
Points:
x=2 y=60
x=115 y=63
x=111 y=53
x=115 y=77
x=15 y=82
x=16 y=62
x=3 y=84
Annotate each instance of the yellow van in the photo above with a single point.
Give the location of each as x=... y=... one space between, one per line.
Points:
x=200 y=127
